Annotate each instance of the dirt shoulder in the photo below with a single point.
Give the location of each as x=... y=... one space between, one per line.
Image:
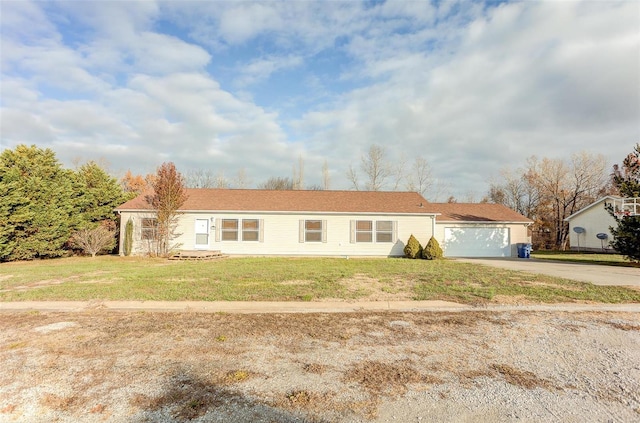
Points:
x=337 y=306
x=98 y=365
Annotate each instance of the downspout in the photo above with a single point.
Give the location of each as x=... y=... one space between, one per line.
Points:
x=433 y=226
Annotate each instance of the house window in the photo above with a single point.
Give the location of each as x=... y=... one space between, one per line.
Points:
x=149 y=228
x=229 y=229
x=313 y=230
x=250 y=230
x=384 y=231
x=364 y=231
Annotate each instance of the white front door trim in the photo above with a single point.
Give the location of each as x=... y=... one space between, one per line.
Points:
x=202 y=234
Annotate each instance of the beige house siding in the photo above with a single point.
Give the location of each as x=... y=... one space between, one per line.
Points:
x=594 y=220
x=518 y=233
x=280 y=233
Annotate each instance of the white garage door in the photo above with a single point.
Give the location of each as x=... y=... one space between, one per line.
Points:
x=476 y=242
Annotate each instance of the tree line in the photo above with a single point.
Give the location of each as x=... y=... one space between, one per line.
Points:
x=48 y=211
x=550 y=190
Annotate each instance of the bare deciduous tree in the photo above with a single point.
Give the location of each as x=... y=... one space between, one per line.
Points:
x=550 y=190
x=94 y=241
x=241 y=180
x=516 y=191
x=419 y=179
x=352 y=176
x=277 y=183
x=298 y=174
x=326 y=180
x=200 y=178
x=376 y=168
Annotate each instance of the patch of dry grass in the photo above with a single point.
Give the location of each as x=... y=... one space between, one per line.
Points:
x=522 y=378
x=386 y=378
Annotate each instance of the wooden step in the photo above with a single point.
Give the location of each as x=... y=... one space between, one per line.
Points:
x=196 y=255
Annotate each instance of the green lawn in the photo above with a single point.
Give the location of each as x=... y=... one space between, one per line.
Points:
x=583 y=257
x=287 y=279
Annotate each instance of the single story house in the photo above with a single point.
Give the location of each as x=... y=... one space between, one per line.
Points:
x=589 y=226
x=328 y=223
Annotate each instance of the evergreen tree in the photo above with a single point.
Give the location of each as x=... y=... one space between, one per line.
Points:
x=413 y=249
x=98 y=194
x=37 y=207
x=432 y=251
x=626 y=235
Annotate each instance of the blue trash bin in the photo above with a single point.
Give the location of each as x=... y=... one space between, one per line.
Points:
x=521 y=252
x=527 y=250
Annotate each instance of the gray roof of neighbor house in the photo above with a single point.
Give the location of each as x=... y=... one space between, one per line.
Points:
x=392 y=202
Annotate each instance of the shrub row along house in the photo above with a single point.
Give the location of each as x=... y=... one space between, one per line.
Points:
x=327 y=223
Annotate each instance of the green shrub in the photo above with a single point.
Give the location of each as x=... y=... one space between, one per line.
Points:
x=128 y=237
x=413 y=249
x=432 y=251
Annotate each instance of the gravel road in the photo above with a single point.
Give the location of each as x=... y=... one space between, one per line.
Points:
x=106 y=366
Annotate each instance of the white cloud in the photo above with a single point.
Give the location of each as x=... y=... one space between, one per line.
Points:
x=261 y=69
x=523 y=81
x=470 y=86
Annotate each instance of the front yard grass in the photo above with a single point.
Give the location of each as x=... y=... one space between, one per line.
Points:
x=585 y=257
x=288 y=279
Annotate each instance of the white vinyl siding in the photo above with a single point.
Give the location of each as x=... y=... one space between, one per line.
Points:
x=594 y=221
x=283 y=233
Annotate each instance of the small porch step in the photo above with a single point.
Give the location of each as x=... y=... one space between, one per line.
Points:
x=196 y=255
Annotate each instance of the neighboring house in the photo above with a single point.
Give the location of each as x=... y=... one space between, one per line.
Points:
x=328 y=223
x=589 y=226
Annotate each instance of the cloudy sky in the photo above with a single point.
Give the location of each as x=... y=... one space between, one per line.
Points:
x=470 y=86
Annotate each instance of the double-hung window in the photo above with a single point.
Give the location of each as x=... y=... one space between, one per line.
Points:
x=149 y=228
x=240 y=230
x=250 y=229
x=373 y=231
x=364 y=231
x=313 y=231
x=384 y=231
x=229 y=229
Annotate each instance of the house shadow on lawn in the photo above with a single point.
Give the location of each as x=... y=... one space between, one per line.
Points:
x=187 y=397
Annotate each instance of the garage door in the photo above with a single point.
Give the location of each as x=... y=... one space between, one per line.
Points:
x=476 y=242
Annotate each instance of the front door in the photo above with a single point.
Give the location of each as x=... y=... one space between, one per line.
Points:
x=202 y=234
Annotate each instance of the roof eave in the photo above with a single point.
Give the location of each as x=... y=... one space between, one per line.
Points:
x=503 y=222
x=585 y=208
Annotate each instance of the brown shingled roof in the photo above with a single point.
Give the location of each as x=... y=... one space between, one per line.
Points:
x=254 y=200
x=475 y=212
x=295 y=201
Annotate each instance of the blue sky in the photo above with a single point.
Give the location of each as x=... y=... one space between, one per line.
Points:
x=471 y=87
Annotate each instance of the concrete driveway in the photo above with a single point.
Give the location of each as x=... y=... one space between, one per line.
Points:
x=594 y=273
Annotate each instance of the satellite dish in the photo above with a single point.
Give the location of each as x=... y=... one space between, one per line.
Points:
x=602 y=236
x=579 y=230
